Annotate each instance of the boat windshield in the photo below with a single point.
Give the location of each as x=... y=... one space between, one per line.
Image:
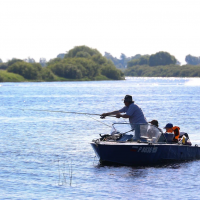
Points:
x=142 y=132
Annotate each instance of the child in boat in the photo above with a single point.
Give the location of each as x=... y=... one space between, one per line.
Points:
x=173 y=129
x=180 y=137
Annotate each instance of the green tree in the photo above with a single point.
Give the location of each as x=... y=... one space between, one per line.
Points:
x=1 y=79
x=164 y=71
x=27 y=70
x=99 y=59
x=53 y=61
x=84 y=62
x=143 y=60
x=161 y=58
x=14 y=60
x=61 y=55
x=37 y=66
x=92 y=69
x=111 y=72
x=47 y=75
x=67 y=70
x=3 y=66
x=73 y=52
x=192 y=60
x=83 y=54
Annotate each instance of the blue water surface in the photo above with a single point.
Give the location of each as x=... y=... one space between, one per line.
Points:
x=47 y=155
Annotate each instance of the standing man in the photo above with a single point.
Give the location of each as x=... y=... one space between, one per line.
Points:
x=133 y=112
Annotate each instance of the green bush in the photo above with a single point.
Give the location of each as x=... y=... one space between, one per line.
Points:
x=111 y=72
x=164 y=71
x=83 y=49
x=47 y=74
x=80 y=63
x=27 y=70
x=83 y=62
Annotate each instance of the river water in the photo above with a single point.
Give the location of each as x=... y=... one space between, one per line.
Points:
x=47 y=155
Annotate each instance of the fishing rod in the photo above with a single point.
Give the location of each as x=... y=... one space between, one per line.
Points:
x=66 y=112
x=100 y=121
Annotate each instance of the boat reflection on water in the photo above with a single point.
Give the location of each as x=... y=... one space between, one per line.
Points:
x=141 y=144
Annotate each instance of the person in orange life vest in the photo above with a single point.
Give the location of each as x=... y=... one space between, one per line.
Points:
x=173 y=129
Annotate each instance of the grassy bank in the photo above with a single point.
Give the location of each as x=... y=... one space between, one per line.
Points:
x=12 y=77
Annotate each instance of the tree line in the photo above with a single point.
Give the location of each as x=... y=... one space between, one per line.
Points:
x=122 y=61
x=80 y=63
x=84 y=63
x=161 y=64
x=163 y=71
x=160 y=58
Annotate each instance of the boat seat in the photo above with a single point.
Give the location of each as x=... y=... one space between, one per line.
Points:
x=125 y=138
x=162 y=138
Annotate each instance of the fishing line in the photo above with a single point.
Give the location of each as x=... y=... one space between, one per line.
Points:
x=65 y=112
x=100 y=122
x=73 y=113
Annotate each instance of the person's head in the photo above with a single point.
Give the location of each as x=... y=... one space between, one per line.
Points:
x=128 y=100
x=154 y=122
x=168 y=126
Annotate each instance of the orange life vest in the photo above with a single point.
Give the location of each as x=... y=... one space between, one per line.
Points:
x=176 y=132
x=170 y=130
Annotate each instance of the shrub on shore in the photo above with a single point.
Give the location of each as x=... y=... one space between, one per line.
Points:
x=164 y=71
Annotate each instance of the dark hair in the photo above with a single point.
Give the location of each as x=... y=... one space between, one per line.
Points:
x=154 y=122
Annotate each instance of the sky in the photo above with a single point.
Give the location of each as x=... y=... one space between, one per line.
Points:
x=46 y=28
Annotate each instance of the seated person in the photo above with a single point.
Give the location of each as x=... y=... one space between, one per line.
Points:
x=184 y=139
x=173 y=129
x=168 y=128
x=155 y=123
x=153 y=131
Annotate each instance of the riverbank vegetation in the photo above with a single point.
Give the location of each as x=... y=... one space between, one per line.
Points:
x=163 y=71
x=80 y=63
x=85 y=64
x=161 y=64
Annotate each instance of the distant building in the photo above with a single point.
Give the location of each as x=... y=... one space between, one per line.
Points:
x=29 y=60
x=43 y=62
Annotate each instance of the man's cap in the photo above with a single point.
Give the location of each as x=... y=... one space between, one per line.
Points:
x=128 y=98
x=169 y=125
x=154 y=122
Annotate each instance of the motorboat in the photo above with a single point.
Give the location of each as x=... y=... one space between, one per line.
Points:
x=141 y=144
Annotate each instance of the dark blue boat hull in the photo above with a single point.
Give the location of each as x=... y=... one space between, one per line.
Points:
x=144 y=154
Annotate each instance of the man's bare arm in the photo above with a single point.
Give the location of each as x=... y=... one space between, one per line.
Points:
x=110 y=113
x=123 y=116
